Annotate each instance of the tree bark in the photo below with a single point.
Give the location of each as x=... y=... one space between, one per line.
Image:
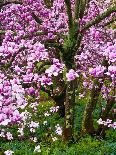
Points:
x=69 y=112
x=105 y=115
x=87 y=123
x=60 y=100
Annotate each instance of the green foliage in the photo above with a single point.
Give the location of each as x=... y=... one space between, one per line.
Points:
x=86 y=146
x=82 y=146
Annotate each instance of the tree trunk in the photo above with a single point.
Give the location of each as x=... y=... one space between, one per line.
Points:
x=60 y=100
x=69 y=111
x=87 y=123
x=104 y=116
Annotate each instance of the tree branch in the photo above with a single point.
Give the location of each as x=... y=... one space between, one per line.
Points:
x=69 y=13
x=80 y=7
x=2 y=32
x=110 y=22
x=10 y=2
x=77 y=6
x=37 y=19
x=43 y=65
x=9 y=64
x=99 y=18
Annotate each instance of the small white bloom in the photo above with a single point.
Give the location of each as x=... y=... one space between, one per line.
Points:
x=2 y=134
x=37 y=149
x=100 y=121
x=46 y=114
x=34 y=124
x=54 y=139
x=34 y=139
x=9 y=136
x=58 y=129
x=20 y=130
x=8 y=152
x=45 y=123
x=32 y=130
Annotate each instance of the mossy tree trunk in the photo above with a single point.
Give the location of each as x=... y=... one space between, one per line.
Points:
x=87 y=123
x=69 y=111
x=106 y=115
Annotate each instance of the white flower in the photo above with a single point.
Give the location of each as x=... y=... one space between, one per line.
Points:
x=34 y=139
x=45 y=123
x=32 y=130
x=9 y=136
x=37 y=149
x=5 y=122
x=2 y=134
x=54 y=139
x=8 y=152
x=58 y=129
x=46 y=114
x=20 y=130
x=34 y=124
x=100 y=121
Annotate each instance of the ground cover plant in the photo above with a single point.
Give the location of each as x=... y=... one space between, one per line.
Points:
x=57 y=76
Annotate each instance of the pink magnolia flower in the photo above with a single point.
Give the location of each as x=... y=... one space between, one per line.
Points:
x=98 y=71
x=71 y=75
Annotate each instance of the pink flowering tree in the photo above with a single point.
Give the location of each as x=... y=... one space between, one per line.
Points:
x=58 y=46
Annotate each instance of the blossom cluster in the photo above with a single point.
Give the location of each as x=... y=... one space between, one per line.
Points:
x=107 y=123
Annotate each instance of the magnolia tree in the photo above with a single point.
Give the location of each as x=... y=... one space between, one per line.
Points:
x=57 y=47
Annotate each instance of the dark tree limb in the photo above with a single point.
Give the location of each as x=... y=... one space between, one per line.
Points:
x=80 y=6
x=110 y=22
x=69 y=13
x=99 y=18
x=77 y=6
x=9 y=2
x=9 y=64
x=2 y=32
x=37 y=19
x=87 y=123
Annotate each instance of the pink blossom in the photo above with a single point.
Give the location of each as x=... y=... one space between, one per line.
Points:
x=71 y=75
